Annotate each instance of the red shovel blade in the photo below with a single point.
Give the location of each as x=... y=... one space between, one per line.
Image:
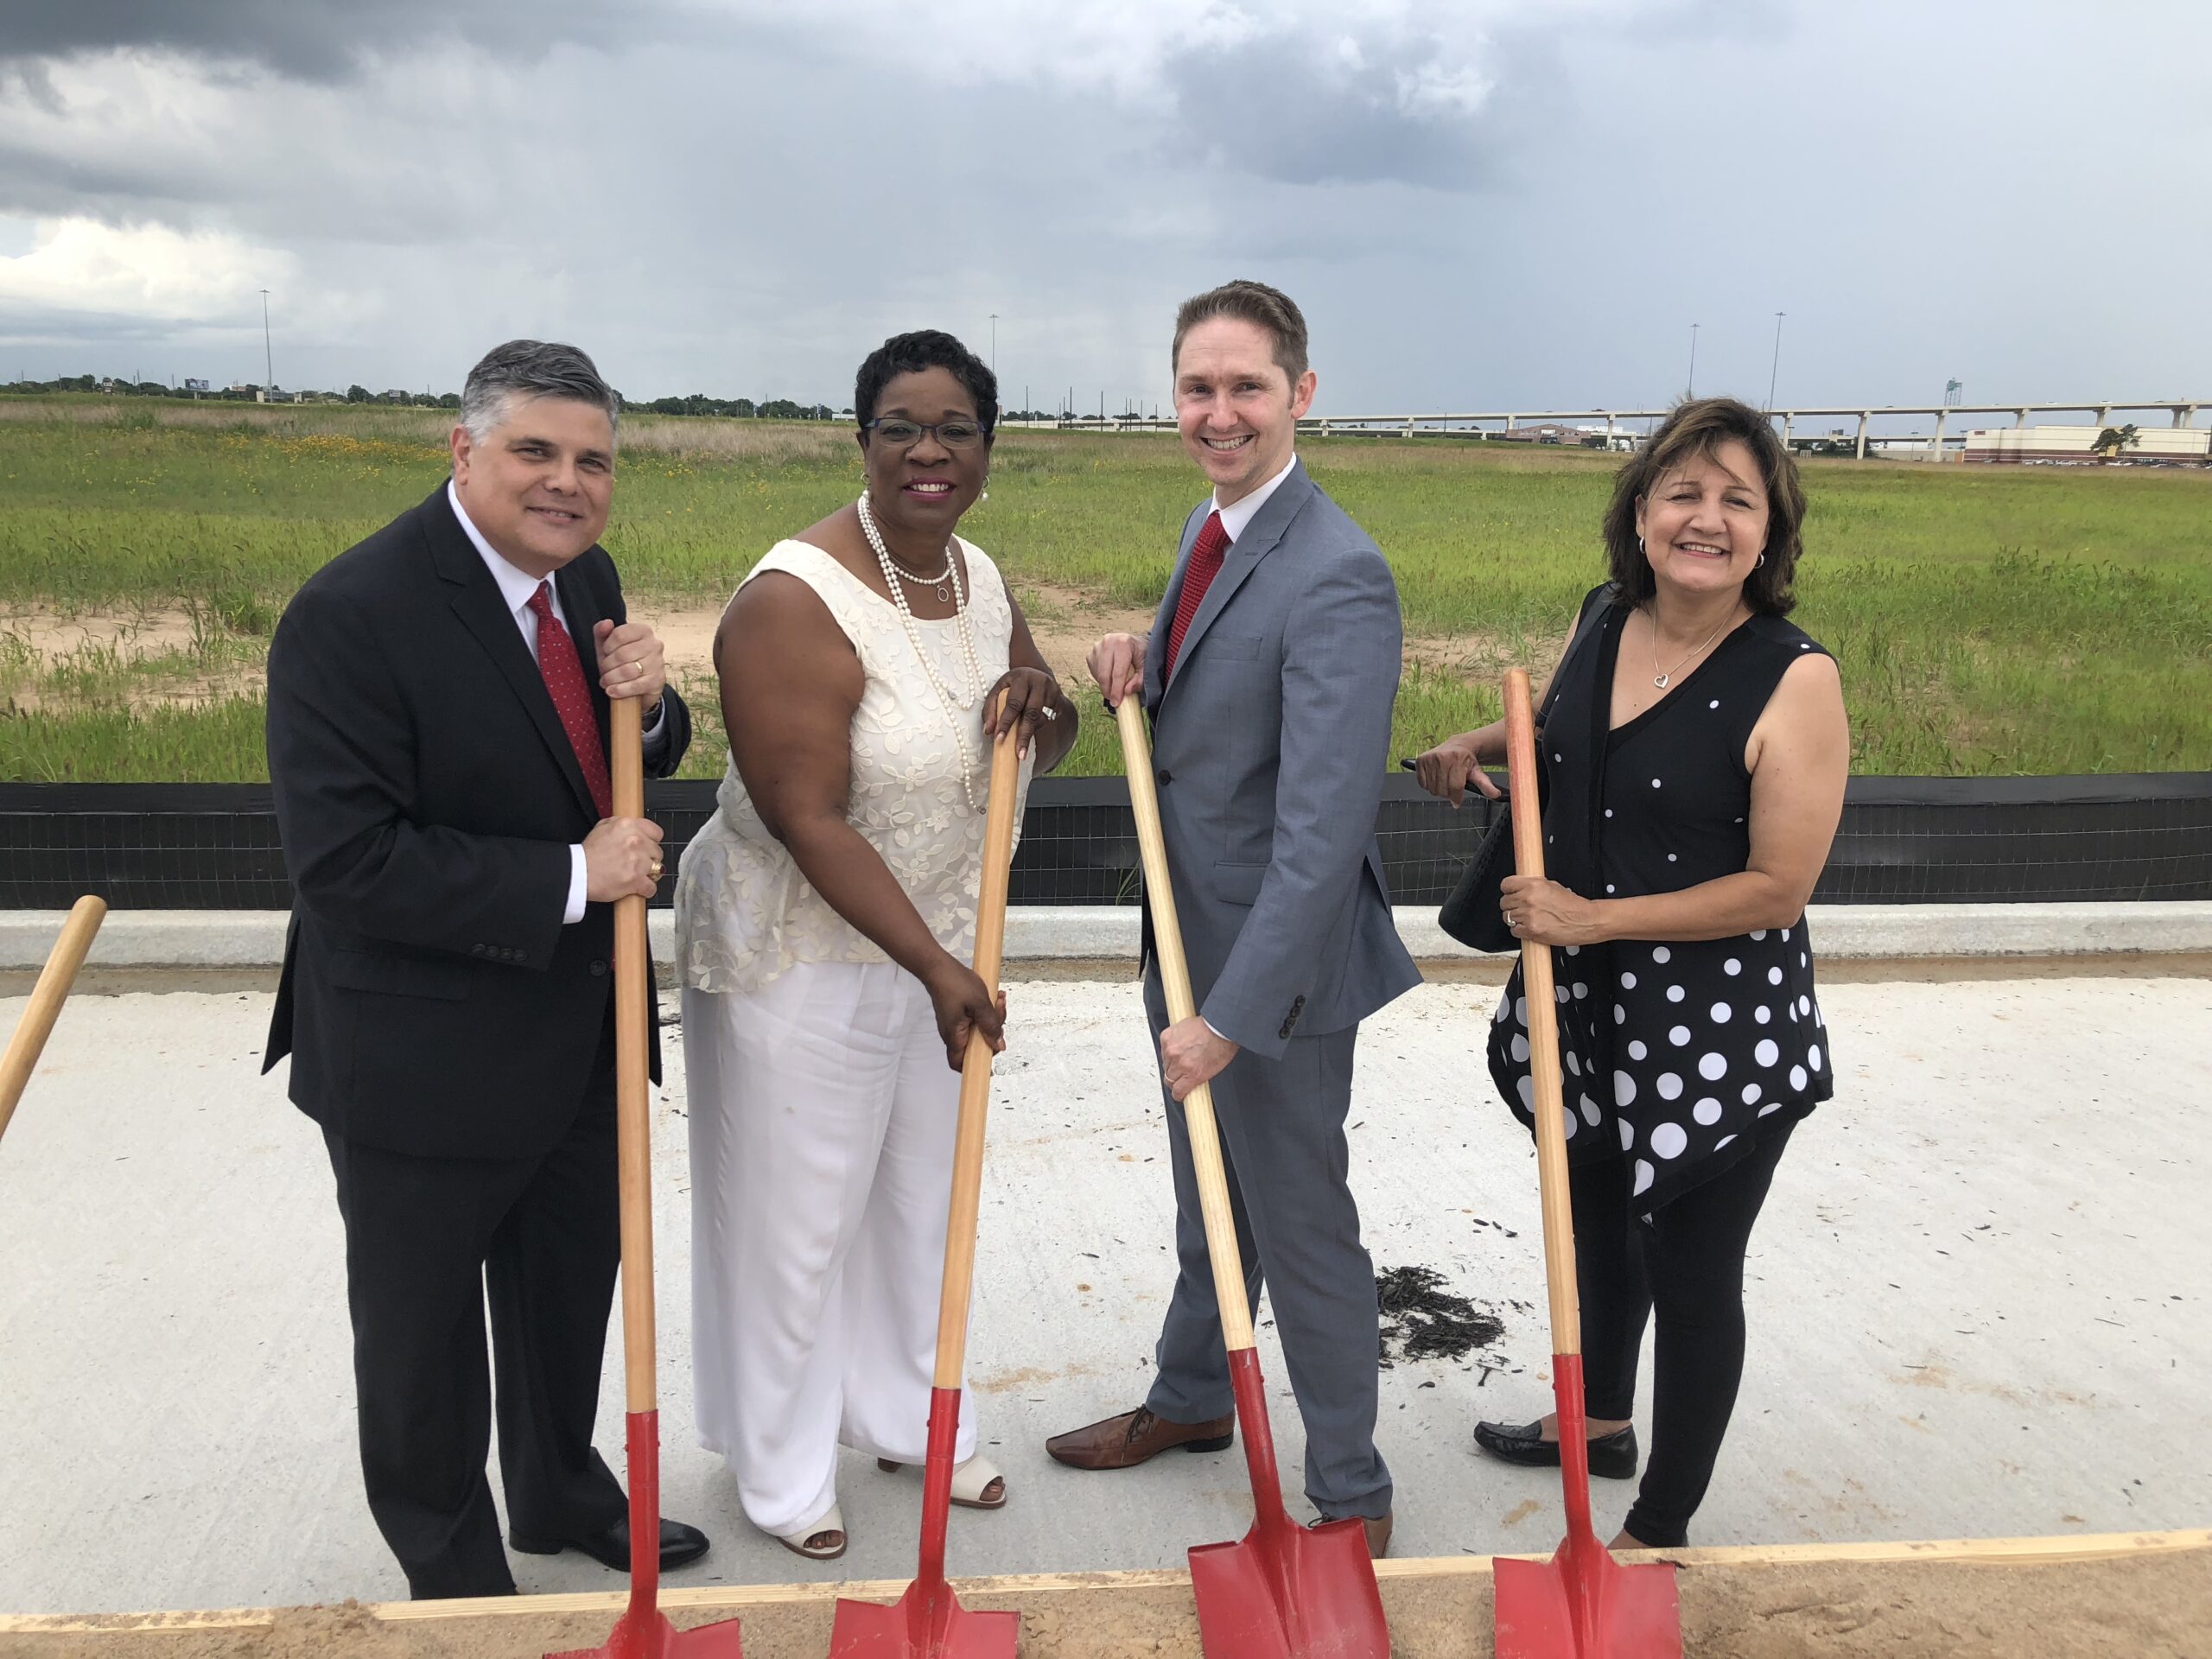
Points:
x=650 y=1636
x=926 y=1622
x=1284 y=1591
x=643 y=1631
x=1582 y=1604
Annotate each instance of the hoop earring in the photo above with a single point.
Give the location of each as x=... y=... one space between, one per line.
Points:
x=1756 y=562
x=1639 y=547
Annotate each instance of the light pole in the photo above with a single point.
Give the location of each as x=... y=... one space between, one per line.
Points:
x=1692 y=384
x=1774 y=371
x=995 y=342
x=268 y=358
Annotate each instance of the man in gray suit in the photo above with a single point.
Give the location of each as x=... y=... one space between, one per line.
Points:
x=1270 y=673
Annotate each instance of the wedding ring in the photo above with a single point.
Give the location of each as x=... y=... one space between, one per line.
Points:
x=653 y=869
x=1049 y=712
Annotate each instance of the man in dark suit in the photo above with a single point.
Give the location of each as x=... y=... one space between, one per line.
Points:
x=437 y=743
x=1269 y=674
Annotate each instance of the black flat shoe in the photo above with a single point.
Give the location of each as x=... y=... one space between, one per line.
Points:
x=610 y=1546
x=1612 y=1456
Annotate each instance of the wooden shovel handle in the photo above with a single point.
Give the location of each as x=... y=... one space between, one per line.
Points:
x=632 y=1064
x=1175 y=981
x=53 y=982
x=975 y=1067
x=1547 y=1096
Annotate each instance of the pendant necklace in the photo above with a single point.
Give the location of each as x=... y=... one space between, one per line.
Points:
x=1662 y=678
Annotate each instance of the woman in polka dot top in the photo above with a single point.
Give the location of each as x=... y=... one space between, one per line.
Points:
x=1693 y=758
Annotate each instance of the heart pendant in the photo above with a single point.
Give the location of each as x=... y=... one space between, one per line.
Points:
x=1660 y=680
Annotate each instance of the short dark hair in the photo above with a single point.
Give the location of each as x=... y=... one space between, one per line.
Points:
x=531 y=368
x=1697 y=429
x=1249 y=301
x=926 y=348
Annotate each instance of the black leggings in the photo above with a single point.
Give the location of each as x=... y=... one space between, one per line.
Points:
x=1688 y=1263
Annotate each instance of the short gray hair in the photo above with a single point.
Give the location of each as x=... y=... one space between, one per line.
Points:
x=531 y=368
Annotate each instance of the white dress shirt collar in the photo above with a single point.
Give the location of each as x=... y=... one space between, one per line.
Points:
x=1234 y=519
x=516 y=586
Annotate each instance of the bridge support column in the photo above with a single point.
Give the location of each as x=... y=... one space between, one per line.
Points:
x=1609 y=432
x=2184 y=414
x=2019 y=419
x=1787 y=420
x=1865 y=414
x=1936 y=443
x=2104 y=418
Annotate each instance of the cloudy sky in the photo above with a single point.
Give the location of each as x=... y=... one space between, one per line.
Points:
x=1481 y=204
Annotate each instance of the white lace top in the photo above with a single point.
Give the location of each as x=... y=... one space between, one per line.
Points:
x=744 y=914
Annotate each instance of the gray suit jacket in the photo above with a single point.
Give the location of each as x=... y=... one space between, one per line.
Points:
x=1269 y=749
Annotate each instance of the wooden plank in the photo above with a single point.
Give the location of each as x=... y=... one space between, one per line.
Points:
x=2012 y=1552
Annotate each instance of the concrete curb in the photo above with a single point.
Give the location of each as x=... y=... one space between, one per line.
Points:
x=255 y=938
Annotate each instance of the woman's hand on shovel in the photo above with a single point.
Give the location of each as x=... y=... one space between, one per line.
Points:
x=964 y=1005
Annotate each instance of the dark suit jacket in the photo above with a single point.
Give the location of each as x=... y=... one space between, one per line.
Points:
x=432 y=1002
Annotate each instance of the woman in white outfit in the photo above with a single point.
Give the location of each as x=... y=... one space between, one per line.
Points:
x=825 y=917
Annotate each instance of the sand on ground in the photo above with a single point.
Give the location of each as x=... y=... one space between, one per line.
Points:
x=2154 y=1606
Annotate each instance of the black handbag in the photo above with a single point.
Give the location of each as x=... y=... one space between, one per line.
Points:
x=1471 y=914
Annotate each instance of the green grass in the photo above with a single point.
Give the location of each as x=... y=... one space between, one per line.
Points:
x=1987 y=621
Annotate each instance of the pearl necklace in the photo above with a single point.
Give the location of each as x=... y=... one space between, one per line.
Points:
x=946 y=699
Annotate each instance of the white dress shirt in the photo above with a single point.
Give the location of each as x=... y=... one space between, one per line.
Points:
x=518 y=588
x=1236 y=517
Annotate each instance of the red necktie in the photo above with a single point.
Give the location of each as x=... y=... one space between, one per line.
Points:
x=564 y=681
x=1205 y=565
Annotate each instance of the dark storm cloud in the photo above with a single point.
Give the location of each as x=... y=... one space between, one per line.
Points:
x=1283 y=109
x=321 y=41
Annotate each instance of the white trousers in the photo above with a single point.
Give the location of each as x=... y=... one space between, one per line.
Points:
x=821 y=1128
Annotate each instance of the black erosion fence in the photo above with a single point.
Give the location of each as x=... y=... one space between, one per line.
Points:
x=1903 y=840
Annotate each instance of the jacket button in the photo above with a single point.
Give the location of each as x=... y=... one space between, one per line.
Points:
x=476 y=950
x=1166 y=777
x=598 y=967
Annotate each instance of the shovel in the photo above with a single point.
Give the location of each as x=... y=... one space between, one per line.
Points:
x=53 y=982
x=1285 y=1591
x=1581 y=1604
x=643 y=1631
x=928 y=1622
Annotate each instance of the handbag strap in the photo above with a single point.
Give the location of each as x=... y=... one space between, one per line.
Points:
x=1593 y=623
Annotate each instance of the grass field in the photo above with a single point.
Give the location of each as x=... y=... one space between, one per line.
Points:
x=1987 y=621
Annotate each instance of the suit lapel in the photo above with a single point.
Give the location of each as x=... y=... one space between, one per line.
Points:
x=476 y=600
x=1259 y=539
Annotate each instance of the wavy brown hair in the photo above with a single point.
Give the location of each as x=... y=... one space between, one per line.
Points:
x=1697 y=429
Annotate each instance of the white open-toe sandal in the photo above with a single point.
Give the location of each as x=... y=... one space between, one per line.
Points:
x=802 y=1541
x=971 y=1480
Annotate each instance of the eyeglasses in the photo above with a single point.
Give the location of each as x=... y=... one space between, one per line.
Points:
x=904 y=434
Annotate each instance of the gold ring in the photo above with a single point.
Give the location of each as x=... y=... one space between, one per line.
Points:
x=654 y=869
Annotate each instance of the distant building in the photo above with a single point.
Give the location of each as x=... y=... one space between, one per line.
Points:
x=195 y=386
x=2079 y=443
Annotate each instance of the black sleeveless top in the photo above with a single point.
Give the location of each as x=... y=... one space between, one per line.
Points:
x=1676 y=1055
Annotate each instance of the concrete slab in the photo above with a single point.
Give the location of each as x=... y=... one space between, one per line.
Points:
x=1977 y=1302
x=255 y=938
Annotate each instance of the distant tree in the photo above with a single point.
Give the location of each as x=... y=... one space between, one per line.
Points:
x=358 y=394
x=151 y=389
x=2115 y=441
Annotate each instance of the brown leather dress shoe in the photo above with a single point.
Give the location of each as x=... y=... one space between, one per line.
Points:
x=1378 y=1532
x=1125 y=1441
